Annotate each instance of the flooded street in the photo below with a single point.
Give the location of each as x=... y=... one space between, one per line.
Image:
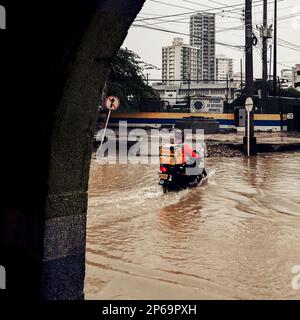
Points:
x=237 y=236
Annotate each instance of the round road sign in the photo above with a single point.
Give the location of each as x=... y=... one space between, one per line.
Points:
x=198 y=105
x=249 y=104
x=290 y=116
x=112 y=103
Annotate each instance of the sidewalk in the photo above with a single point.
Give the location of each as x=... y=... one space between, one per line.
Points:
x=266 y=141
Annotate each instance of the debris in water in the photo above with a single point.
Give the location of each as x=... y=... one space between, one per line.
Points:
x=221 y=150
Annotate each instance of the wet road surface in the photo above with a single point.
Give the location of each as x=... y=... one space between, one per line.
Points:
x=237 y=236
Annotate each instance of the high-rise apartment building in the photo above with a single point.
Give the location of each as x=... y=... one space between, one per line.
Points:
x=202 y=35
x=224 y=68
x=180 y=62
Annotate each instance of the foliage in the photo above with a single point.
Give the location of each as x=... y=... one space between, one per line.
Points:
x=126 y=79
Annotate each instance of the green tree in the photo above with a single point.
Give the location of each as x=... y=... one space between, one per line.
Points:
x=126 y=80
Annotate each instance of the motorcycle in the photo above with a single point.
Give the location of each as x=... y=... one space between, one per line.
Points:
x=175 y=174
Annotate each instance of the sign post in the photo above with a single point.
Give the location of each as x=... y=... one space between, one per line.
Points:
x=111 y=103
x=249 y=107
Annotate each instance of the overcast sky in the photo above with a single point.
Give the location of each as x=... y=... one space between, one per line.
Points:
x=147 y=43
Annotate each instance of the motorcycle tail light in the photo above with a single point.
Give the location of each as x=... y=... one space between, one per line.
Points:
x=163 y=169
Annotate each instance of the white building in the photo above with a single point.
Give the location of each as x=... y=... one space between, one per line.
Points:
x=287 y=74
x=179 y=62
x=296 y=76
x=202 y=35
x=224 y=67
x=177 y=93
x=286 y=79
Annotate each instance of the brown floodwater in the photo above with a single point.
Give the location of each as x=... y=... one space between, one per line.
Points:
x=237 y=236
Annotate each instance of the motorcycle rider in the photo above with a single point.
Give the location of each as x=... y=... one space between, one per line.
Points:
x=188 y=152
x=191 y=159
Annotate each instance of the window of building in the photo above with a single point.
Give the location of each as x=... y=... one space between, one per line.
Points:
x=217 y=91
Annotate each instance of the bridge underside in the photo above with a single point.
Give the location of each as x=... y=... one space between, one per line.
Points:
x=54 y=63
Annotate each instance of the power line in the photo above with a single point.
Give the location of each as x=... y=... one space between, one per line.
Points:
x=189 y=14
x=256 y=5
x=197 y=11
x=281 y=45
x=283 y=65
x=178 y=6
x=235 y=8
x=202 y=5
x=160 y=20
x=297 y=49
x=269 y=20
x=294 y=61
x=184 y=20
x=289 y=43
x=236 y=47
x=196 y=3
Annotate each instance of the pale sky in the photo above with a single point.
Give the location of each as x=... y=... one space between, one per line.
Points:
x=147 y=43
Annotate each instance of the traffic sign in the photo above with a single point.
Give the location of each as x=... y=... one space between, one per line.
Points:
x=249 y=104
x=112 y=103
x=290 y=116
x=249 y=107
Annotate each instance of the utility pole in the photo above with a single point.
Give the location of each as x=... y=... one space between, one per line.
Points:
x=249 y=49
x=280 y=105
x=264 y=34
x=270 y=66
x=189 y=88
x=275 y=50
x=249 y=128
x=227 y=89
x=241 y=65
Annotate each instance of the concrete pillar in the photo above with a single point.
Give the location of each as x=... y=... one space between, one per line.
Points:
x=58 y=75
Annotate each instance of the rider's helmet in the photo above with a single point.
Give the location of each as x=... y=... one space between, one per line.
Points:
x=178 y=136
